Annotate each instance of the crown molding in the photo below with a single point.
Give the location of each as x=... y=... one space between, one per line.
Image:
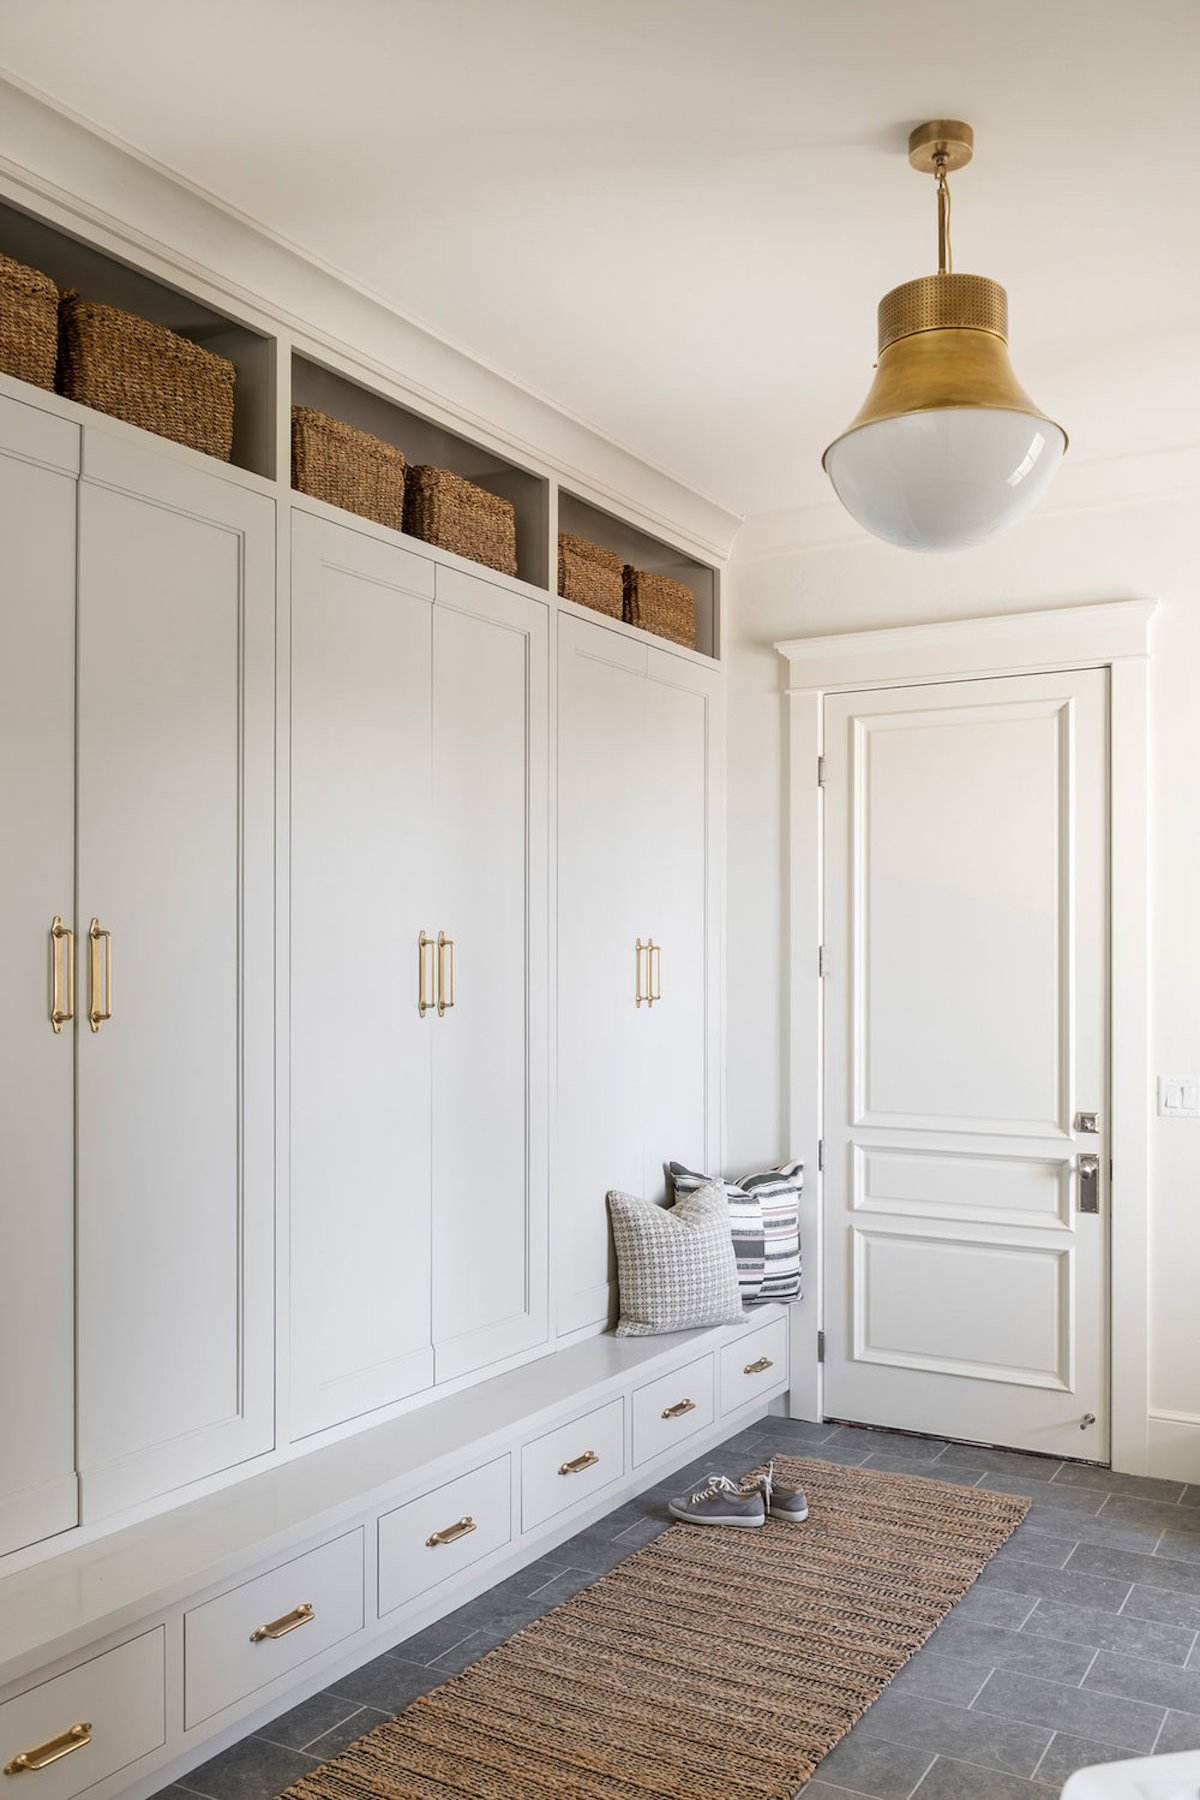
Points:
x=1105 y=633
x=64 y=168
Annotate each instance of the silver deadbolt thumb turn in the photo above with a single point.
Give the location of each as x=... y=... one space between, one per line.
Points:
x=1089 y=1184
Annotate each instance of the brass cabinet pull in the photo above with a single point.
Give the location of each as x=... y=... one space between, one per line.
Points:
x=756 y=1368
x=451 y=1533
x=62 y=957
x=637 y=979
x=97 y=1013
x=424 y=972
x=579 y=1462
x=445 y=973
x=680 y=1407
x=654 y=962
x=45 y=1754
x=299 y=1615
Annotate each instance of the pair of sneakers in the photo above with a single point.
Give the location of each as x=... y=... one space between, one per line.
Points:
x=725 y=1502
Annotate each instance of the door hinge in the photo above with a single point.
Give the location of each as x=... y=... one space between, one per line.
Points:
x=820 y=771
x=820 y=1155
x=820 y=1346
x=820 y=959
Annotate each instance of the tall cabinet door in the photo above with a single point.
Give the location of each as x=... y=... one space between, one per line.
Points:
x=600 y=1142
x=490 y=1194
x=360 y=1046
x=175 y=885
x=39 y=463
x=678 y=900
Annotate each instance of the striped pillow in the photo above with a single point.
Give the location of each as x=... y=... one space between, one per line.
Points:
x=764 y=1218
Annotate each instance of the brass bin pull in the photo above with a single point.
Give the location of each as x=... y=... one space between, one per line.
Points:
x=756 y=1368
x=637 y=983
x=291 y=1621
x=579 y=1462
x=97 y=1013
x=445 y=973
x=49 y=1752
x=655 y=972
x=451 y=1533
x=680 y=1407
x=424 y=972
x=62 y=956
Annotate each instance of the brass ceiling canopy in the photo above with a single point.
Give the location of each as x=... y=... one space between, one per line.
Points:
x=943 y=347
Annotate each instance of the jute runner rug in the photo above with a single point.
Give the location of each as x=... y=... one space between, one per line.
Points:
x=712 y=1664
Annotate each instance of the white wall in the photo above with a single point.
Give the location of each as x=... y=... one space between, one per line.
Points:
x=1100 y=543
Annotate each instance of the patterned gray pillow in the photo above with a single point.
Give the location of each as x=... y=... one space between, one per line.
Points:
x=676 y=1264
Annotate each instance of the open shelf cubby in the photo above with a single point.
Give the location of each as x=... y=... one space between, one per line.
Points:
x=424 y=441
x=98 y=276
x=649 y=553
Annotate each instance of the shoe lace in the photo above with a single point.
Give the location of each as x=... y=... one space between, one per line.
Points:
x=767 y=1483
x=718 y=1484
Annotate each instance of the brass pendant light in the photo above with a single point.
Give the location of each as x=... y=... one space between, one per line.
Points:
x=947 y=447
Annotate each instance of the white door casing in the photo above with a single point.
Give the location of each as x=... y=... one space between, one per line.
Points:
x=966 y=1025
x=175 y=851
x=490 y=1192
x=361 y=1053
x=39 y=463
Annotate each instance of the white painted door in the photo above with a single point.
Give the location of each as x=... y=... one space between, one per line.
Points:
x=966 y=1013
x=600 y=1141
x=360 y=1047
x=39 y=462
x=489 y=868
x=175 y=865
x=674 y=902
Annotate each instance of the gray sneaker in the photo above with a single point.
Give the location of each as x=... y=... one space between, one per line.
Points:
x=722 y=1502
x=781 y=1502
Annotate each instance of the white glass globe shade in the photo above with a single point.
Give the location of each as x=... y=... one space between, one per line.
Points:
x=944 y=479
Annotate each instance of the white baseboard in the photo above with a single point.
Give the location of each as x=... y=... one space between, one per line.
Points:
x=1174 y=1443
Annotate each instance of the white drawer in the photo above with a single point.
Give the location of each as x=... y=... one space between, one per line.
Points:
x=244 y=1639
x=755 y=1366
x=87 y=1723
x=428 y=1540
x=669 y=1410
x=567 y=1466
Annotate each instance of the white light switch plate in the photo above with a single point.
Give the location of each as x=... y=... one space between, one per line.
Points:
x=1179 y=1097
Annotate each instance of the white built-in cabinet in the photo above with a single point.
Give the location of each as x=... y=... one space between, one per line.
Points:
x=418 y=880
x=639 y=788
x=428 y=892
x=136 y=1099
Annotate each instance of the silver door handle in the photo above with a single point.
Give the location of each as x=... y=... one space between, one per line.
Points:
x=1089 y=1183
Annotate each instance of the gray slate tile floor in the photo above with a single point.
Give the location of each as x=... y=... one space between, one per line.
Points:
x=1079 y=1644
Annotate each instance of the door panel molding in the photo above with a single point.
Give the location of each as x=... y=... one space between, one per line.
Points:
x=1115 y=635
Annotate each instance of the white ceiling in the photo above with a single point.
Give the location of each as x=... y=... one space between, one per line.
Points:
x=675 y=217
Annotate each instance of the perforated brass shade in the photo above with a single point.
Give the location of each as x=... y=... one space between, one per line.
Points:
x=943 y=342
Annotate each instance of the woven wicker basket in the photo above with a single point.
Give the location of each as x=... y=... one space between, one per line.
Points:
x=590 y=575
x=347 y=467
x=443 y=509
x=28 y=323
x=661 y=605
x=146 y=375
